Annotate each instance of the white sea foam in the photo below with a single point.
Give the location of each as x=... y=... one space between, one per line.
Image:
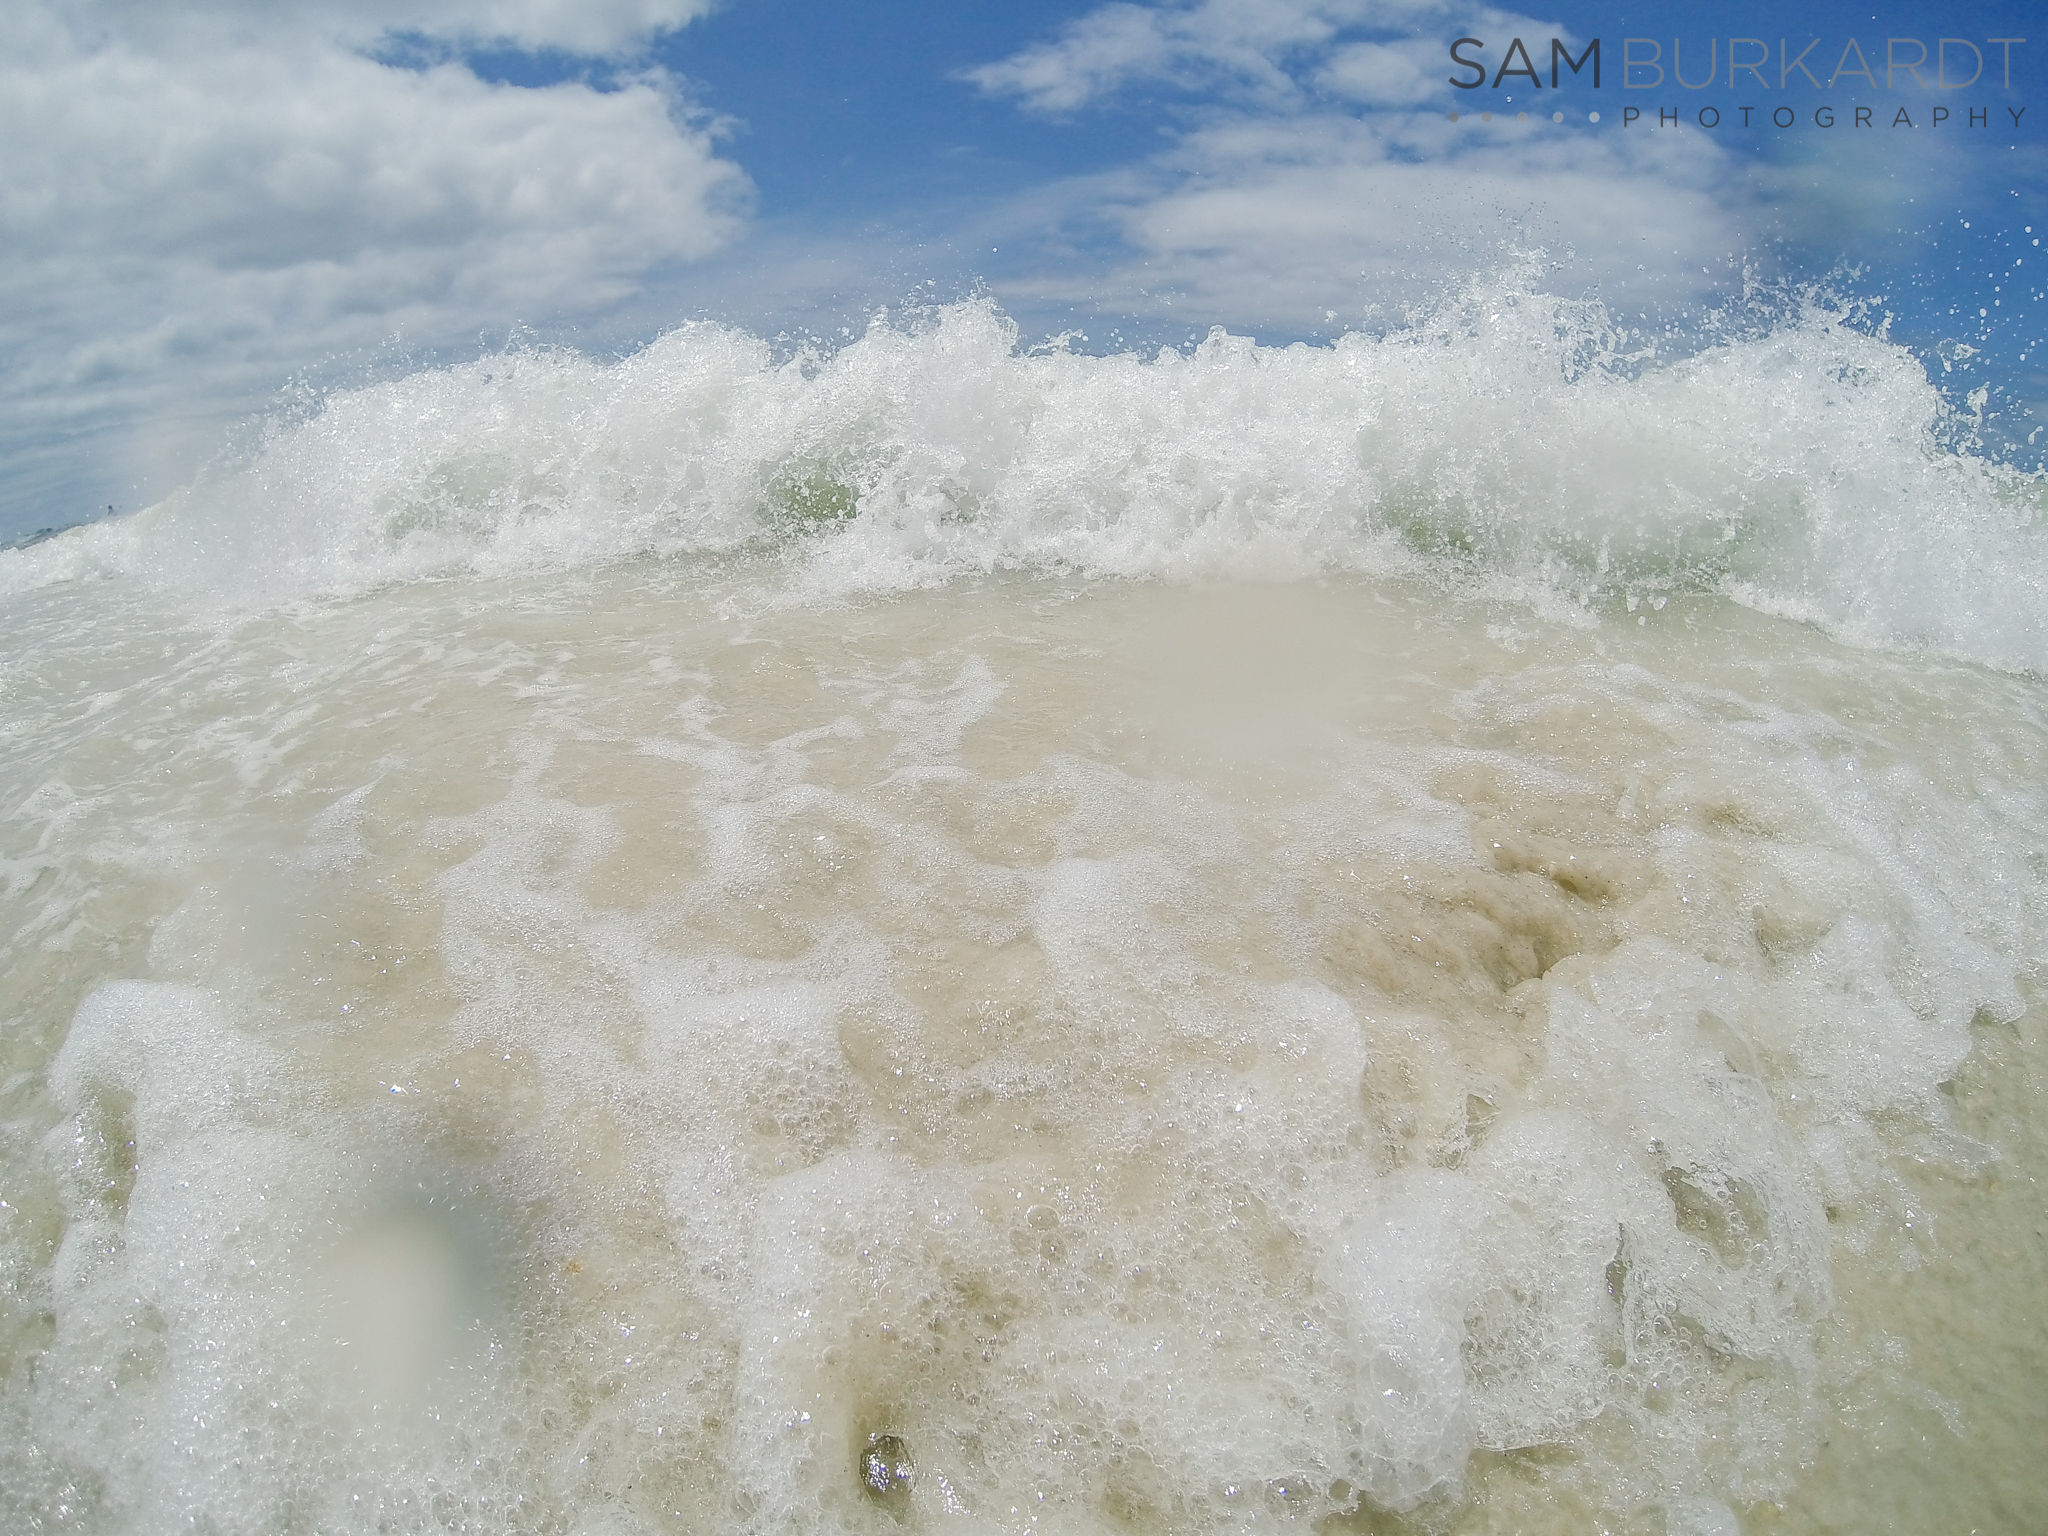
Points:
x=1413 y=1043
x=1510 y=440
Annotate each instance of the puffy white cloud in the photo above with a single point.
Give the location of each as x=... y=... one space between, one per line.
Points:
x=194 y=211
x=1396 y=73
x=250 y=162
x=595 y=28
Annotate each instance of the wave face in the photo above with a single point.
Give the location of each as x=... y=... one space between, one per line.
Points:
x=1511 y=440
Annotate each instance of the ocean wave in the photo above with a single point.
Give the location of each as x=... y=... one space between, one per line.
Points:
x=1509 y=442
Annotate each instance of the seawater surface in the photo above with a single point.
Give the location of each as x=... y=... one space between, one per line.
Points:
x=1424 y=936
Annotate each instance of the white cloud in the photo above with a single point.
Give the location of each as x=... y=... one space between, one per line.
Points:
x=1326 y=185
x=1214 y=42
x=251 y=163
x=580 y=26
x=193 y=212
x=1263 y=224
x=1398 y=73
x=1387 y=52
x=594 y=28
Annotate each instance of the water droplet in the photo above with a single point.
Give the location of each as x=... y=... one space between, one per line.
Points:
x=886 y=1468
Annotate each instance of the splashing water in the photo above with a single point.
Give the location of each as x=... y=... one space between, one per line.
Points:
x=688 y=945
x=1511 y=438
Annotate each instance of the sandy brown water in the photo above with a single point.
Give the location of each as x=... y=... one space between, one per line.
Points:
x=586 y=1053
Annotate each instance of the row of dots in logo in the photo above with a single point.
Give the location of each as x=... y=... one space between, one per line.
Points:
x=1523 y=117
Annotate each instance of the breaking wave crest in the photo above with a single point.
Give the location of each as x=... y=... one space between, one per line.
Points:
x=1512 y=442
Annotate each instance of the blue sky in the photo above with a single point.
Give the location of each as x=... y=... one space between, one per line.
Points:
x=206 y=204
